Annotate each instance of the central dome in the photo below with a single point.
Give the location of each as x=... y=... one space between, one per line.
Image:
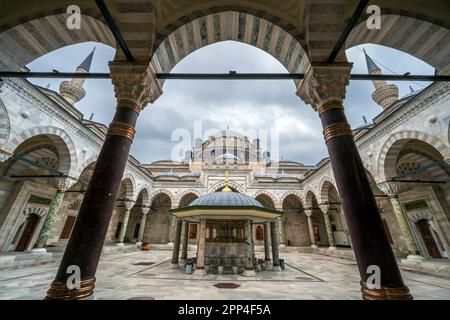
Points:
x=226 y=199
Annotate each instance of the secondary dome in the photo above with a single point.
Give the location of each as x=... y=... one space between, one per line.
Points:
x=226 y=199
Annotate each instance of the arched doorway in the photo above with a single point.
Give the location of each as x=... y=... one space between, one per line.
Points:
x=423 y=177
x=296 y=223
x=30 y=180
x=319 y=231
x=158 y=220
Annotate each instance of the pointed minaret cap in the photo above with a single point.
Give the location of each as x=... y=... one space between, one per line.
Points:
x=86 y=64
x=371 y=65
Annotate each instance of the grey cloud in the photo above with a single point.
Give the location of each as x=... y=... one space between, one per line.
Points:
x=242 y=105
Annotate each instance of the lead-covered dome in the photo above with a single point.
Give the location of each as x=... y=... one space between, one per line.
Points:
x=226 y=199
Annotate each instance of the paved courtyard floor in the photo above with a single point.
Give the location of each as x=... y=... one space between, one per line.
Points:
x=147 y=275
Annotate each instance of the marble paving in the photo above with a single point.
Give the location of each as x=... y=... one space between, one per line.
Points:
x=307 y=276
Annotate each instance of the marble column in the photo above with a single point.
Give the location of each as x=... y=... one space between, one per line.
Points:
x=126 y=217
x=135 y=86
x=142 y=226
x=176 y=244
x=325 y=208
x=249 y=261
x=266 y=242
x=63 y=186
x=324 y=87
x=275 y=253
x=184 y=254
x=391 y=190
x=280 y=227
x=172 y=229
x=312 y=238
x=201 y=247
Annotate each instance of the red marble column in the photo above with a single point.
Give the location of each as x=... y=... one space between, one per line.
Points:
x=324 y=87
x=135 y=88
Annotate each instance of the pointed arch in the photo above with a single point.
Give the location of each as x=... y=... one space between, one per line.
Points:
x=389 y=151
x=201 y=29
x=130 y=186
x=64 y=144
x=221 y=184
x=4 y=125
x=186 y=193
x=273 y=203
x=145 y=192
x=425 y=40
x=324 y=187
x=163 y=192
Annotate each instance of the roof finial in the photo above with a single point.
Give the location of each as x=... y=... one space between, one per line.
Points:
x=226 y=189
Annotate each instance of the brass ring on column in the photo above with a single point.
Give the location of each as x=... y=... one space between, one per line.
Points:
x=330 y=105
x=60 y=291
x=400 y=293
x=337 y=130
x=128 y=104
x=122 y=129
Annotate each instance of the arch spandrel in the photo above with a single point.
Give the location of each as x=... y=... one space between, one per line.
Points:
x=230 y=26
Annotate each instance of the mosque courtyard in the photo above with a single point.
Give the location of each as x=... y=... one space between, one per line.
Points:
x=146 y=275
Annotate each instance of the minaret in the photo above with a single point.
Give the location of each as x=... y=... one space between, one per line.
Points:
x=385 y=94
x=73 y=90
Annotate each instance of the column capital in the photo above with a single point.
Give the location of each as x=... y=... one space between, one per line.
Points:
x=135 y=82
x=309 y=212
x=389 y=188
x=64 y=184
x=324 y=207
x=324 y=82
x=128 y=204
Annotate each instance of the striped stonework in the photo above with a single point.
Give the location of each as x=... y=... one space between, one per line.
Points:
x=387 y=161
x=129 y=186
x=242 y=27
x=4 y=125
x=158 y=192
x=66 y=149
x=28 y=41
x=326 y=184
x=424 y=40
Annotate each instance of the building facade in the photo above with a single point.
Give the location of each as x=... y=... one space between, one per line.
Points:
x=49 y=151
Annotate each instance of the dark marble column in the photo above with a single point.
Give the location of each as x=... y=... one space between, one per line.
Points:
x=275 y=254
x=249 y=252
x=135 y=87
x=266 y=241
x=176 y=244
x=324 y=87
x=184 y=253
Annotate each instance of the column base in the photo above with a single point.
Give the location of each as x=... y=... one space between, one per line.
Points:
x=400 y=293
x=332 y=248
x=139 y=243
x=276 y=268
x=314 y=246
x=200 y=272
x=38 y=250
x=59 y=291
x=120 y=244
x=249 y=273
x=415 y=257
x=174 y=266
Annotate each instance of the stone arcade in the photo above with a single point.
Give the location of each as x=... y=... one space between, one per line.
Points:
x=60 y=189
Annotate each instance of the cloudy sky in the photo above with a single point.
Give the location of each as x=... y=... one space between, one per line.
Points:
x=260 y=106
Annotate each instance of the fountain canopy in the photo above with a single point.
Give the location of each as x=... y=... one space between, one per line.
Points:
x=226 y=205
